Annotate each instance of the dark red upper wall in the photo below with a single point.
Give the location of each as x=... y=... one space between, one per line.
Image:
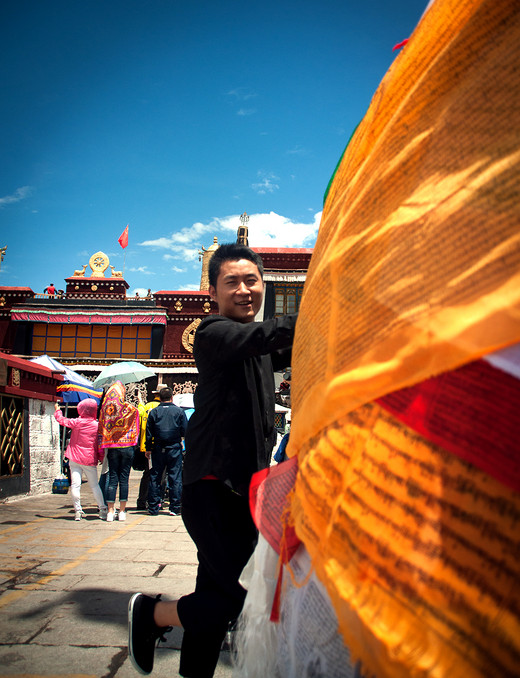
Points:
x=284 y=258
x=183 y=309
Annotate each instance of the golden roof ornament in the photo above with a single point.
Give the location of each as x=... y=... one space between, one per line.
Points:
x=80 y=273
x=3 y=251
x=205 y=255
x=99 y=263
x=242 y=232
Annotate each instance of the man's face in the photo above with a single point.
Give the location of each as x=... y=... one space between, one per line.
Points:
x=239 y=290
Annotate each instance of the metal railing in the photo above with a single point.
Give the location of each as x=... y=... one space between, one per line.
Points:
x=92 y=295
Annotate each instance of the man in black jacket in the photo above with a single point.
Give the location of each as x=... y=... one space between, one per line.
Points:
x=165 y=429
x=230 y=436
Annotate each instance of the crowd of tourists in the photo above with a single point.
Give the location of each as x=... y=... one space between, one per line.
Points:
x=119 y=436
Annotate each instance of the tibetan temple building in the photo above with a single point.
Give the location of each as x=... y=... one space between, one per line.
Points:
x=92 y=322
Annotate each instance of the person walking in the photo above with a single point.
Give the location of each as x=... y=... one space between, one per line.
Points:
x=230 y=436
x=118 y=434
x=83 y=454
x=165 y=429
x=144 y=411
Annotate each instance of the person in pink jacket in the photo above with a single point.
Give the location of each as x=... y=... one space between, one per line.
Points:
x=83 y=454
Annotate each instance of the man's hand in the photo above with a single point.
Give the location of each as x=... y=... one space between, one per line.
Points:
x=148 y=454
x=56 y=406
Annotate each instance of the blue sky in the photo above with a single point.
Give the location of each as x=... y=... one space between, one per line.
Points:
x=176 y=117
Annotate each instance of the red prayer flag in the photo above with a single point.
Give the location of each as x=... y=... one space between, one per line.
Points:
x=400 y=44
x=123 y=238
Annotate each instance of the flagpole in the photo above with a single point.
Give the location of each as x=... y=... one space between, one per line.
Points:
x=123 y=241
x=124 y=253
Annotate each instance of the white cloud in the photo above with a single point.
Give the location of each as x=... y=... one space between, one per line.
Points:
x=141 y=291
x=242 y=93
x=265 y=230
x=179 y=242
x=142 y=269
x=158 y=242
x=297 y=150
x=17 y=196
x=275 y=230
x=175 y=269
x=266 y=183
x=189 y=288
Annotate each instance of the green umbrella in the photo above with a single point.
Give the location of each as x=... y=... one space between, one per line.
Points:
x=126 y=372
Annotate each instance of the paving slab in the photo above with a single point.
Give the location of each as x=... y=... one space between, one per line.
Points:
x=65 y=586
x=31 y=661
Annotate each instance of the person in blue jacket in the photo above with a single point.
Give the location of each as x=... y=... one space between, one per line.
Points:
x=280 y=452
x=165 y=429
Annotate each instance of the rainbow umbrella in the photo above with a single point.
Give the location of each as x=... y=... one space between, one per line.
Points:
x=74 y=387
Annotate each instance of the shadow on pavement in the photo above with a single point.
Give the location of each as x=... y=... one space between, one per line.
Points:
x=103 y=605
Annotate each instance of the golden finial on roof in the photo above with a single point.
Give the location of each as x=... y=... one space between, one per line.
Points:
x=205 y=254
x=3 y=250
x=242 y=233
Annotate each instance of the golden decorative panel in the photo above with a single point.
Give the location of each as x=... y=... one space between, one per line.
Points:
x=188 y=335
x=11 y=436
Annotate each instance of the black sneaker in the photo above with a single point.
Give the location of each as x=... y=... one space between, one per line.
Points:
x=143 y=632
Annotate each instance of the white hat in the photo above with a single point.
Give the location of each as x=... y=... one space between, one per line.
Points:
x=159 y=388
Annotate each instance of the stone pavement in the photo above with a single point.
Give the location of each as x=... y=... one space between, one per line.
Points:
x=65 y=586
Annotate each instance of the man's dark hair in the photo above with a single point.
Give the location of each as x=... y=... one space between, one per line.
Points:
x=165 y=394
x=232 y=252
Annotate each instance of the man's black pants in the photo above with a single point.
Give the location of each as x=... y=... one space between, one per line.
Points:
x=219 y=522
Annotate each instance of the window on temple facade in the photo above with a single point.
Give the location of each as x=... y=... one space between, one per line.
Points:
x=287 y=299
x=97 y=341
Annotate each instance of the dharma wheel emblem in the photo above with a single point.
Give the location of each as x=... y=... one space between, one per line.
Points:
x=99 y=263
x=188 y=336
